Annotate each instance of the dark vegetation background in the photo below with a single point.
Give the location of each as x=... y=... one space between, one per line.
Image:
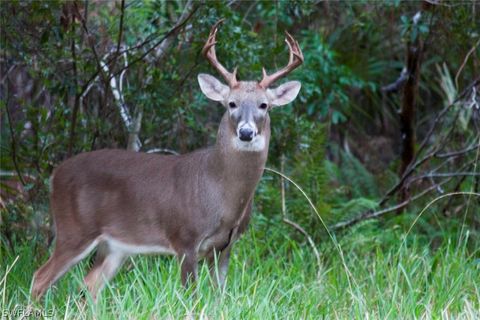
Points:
x=387 y=120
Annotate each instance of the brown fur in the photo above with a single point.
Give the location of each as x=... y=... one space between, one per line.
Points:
x=193 y=204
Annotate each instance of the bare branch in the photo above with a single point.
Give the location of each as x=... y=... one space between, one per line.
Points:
x=448 y=174
x=5 y=76
x=165 y=44
x=86 y=91
x=118 y=95
x=457 y=153
x=297 y=227
x=469 y=53
x=13 y=141
x=171 y=33
x=398 y=84
x=370 y=214
x=134 y=142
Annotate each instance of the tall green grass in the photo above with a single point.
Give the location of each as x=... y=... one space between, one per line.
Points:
x=273 y=276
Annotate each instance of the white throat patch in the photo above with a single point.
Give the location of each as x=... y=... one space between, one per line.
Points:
x=257 y=144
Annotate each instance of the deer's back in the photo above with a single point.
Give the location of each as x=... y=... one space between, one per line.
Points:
x=108 y=192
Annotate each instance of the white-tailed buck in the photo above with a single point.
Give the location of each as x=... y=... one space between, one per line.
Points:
x=193 y=206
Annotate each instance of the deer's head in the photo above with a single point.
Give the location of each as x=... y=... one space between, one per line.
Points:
x=248 y=102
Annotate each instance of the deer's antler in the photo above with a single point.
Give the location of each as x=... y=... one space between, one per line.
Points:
x=295 y=60
x=209 y=53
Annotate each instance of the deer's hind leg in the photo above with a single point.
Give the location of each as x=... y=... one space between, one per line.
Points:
x=67 y=253
x=107 y=263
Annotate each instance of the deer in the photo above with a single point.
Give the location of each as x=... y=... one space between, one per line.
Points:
x=193 y=206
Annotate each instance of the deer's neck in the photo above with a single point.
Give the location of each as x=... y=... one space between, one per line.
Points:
x=240 y=168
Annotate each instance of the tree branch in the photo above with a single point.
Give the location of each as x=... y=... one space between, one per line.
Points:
x=170 y=34
x=472 y=50
x=370 y=214
x=398 y=84
x=416 y=163
x=457 y=153
x=118 y=95
x=165 y=44
x=13 y=141
x=76 y=103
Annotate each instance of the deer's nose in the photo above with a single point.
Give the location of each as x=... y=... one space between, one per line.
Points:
x=246 y=134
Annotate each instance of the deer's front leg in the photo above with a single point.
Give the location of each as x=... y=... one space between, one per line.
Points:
x=219 y=266
x=219 y=260
x=189 y=264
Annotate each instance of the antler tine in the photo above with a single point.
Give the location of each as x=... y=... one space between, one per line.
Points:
x=295 y=59
x=209 y=52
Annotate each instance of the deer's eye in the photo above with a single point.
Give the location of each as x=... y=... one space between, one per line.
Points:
x=232 y=104
x=263 y=106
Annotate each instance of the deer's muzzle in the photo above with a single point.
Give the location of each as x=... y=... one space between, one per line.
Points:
x=245 y=134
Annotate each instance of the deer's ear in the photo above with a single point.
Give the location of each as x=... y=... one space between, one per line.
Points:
x=213 y=88
x=284 y=93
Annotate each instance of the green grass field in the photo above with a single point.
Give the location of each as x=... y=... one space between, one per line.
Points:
x=273 y=276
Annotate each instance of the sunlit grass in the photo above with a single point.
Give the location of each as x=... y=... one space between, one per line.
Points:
x=272 y=276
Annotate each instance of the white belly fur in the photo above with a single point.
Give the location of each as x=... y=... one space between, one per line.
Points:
x=131 y=249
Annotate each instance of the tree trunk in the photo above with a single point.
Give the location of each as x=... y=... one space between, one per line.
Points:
x=414 y=53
